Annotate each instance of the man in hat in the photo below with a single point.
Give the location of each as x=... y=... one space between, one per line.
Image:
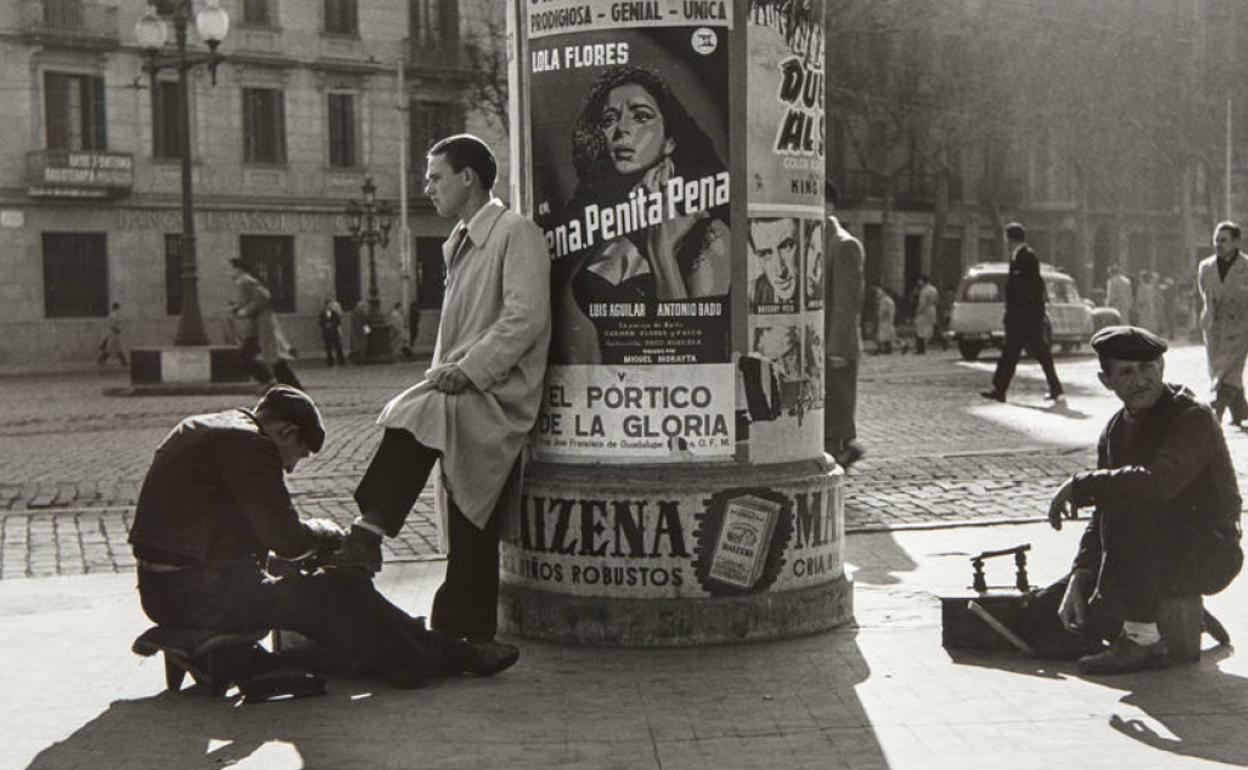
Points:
x=1165 y=503
x=480 y=398
x=213 y=506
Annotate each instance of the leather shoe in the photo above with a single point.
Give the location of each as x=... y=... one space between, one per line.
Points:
x=485 y=658
x=994 y=394
x=360 y=550
x=1124 y=656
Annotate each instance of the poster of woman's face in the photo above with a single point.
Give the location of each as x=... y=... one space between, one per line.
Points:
x=630 y=131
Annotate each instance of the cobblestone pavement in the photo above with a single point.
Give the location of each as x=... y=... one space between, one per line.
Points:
x=71 y=459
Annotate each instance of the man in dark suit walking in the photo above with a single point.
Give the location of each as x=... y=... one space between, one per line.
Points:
x=1024 y=318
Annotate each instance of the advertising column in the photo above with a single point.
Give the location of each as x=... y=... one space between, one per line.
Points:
x=673 y=157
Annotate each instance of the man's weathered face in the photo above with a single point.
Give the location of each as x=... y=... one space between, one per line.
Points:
x=1225 y=243
x=447 y=188
x=290 y=445
x=1137 y=384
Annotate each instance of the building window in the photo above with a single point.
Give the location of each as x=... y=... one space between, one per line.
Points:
x=264 y=126
x=74 y=112
x=173 y=274
x=341 y=17
x=63 y=14
x=273 y=258
x=431 y=121
x=75 y=275
x=166 y=141
x=433 y=22
x=346 y=271
x=342 y=144
x=259 y=13
x=431 y=281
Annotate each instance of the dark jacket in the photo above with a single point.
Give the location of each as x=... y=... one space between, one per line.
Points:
x=1177 y=463
x=329 y=320
x=1024 y=288
x=216 y=490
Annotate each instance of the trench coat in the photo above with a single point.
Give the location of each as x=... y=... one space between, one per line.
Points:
x=496 y=327
x=1118 y=295
x=255 y=309
x=925 y=312
x=1224 y=320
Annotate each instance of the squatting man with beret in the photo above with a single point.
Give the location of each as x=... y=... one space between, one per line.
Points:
x=1166 y=508
x=212 y=507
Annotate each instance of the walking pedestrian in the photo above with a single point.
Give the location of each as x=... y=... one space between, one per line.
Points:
x=477 y=403
x=1147 y=303
x=359 y=332
x=265 y=350
x=398 y=330
x=843 y=288
x=885 y=316
x=926 y=299
x=330 y=321
x=1118 y=293
x=112 y=345
x=1024 y=318
x=1223 y=282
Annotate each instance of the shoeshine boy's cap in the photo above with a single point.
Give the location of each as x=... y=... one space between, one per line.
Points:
x=299 y=408
x=1127 y=343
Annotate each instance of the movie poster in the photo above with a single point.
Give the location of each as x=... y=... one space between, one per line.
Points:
x=629 y=130
x=783 y=373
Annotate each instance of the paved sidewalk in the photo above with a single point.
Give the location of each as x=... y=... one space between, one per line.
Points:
x=882 y=694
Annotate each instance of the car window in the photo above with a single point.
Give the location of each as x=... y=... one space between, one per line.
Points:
x=1061 y=291
x=983 y=289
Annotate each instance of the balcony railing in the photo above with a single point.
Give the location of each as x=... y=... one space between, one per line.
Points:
x=79 y=173
x=69 y=23
x=443 y=58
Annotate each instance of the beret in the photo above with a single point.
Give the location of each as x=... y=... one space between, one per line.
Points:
x=1128 y=343
x=299 y=408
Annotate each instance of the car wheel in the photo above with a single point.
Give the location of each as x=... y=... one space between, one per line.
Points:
x=970 y=350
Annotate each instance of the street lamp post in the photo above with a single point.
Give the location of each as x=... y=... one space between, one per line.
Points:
x=369 y=223
x=212 y=23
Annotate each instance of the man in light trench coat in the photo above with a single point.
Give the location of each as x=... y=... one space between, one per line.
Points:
x=477 y=403
x=1223 y=282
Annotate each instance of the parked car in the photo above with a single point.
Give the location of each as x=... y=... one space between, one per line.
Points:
x=979 y=308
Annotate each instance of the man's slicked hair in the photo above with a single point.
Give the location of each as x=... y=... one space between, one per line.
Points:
x=1015 y=232
x=467 y=150
x=1228 y=226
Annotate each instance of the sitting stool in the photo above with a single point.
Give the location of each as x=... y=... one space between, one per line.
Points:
x=212 y=658
x=1181 y=620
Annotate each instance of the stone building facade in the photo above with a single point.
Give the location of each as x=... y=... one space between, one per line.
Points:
x=306 y=105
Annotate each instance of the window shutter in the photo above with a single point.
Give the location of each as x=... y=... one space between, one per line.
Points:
x=95 y=132
x=56 y=110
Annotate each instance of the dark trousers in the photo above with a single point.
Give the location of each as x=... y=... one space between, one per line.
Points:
x=1030 y=334
x=839 y=427
x=1146 y=555
x=333 y=348
x=1227 y=396
x=260 y=371
x=337 y=609
x=466 y=604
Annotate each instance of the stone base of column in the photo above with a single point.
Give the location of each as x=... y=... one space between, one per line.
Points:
x=677 y=555
x=675 y=622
